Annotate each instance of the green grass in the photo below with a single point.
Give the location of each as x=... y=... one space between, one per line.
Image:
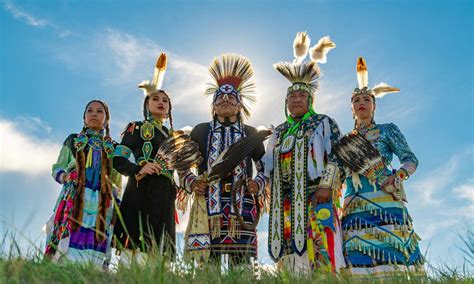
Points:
x=28 y=266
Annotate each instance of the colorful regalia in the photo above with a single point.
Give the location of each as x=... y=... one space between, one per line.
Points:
x=378 y=233
x=304 y=236
x=147 y=208
x=220 y=233
x=89 y=239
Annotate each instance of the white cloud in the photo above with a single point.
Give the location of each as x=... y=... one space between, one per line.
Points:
x=23 y=16
x=465 y=195
x=123 y=60
x=466 y=190
x=20 y=152
x=34 y=124
x=435 y=181
x=31 y=20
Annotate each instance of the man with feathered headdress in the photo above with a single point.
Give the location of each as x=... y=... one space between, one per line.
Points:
x=304 y=232
x=232 y=89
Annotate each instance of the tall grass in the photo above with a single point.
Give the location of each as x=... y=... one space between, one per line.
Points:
x=27 y=265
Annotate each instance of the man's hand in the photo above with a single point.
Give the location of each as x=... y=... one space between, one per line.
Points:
x=322 y=195
x=252 y=186
x=199 y=187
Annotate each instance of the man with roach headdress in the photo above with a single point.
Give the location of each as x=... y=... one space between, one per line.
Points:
x=304 y=232
x=221 y=231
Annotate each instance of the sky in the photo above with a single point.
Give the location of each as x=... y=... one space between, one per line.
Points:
x=55 y=56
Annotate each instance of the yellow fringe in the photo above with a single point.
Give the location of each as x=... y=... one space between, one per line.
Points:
x=89 y=159
x=215 y=226
x=234 y=227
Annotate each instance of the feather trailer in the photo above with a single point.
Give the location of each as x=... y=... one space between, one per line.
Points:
x=320 y=50
x=362 y=73
x=235 y=154
x=382 y=89
x=301 y=47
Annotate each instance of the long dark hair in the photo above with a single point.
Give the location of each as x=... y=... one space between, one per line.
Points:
x=105 y=195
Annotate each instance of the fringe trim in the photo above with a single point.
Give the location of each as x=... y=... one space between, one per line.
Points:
x=234 y=227
x=356 y=181
x=182 y=201
x=215 y=226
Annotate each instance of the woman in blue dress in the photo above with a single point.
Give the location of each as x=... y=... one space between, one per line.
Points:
x=378 y=235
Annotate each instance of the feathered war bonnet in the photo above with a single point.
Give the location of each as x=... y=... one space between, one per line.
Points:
x=304 y=76
x=232 y=76
x=377 y=91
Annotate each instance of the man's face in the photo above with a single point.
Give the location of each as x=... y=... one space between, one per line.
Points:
x=298 y=103
x=227 y=106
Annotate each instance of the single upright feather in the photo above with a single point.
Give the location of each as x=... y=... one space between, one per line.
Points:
x=160 y=69
x=301 y=47
x=362 y=73
x=320 y=50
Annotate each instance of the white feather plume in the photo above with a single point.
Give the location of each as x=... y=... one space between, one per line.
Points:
x=301 y=47
x=320 y=50
x=382 y=89
x=146 y=87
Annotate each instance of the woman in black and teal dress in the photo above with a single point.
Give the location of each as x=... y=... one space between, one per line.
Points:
x=378 y=234
x=81 y=226
x=147 y=210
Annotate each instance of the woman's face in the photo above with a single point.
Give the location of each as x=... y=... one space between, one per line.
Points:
x=363 y=107
x=159 y=105
x=95 y=116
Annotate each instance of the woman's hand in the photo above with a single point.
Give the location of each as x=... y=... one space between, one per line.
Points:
x=150 y=168
x=389 y=185
x=199 y=187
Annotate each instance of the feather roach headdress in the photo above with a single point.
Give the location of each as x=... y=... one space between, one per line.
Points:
x=232 y=76
x=378 y=91
x=304 y=76
x=158 y=75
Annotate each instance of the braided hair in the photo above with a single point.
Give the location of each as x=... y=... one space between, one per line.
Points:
x=105 y=195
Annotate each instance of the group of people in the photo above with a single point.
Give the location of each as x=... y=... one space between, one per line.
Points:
x=312 y=225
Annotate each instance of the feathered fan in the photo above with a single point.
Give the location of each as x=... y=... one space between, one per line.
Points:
x=178 y=152
x=235 y=154
x=355 y=152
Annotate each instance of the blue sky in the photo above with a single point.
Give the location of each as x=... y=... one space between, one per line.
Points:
x=57 y=55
